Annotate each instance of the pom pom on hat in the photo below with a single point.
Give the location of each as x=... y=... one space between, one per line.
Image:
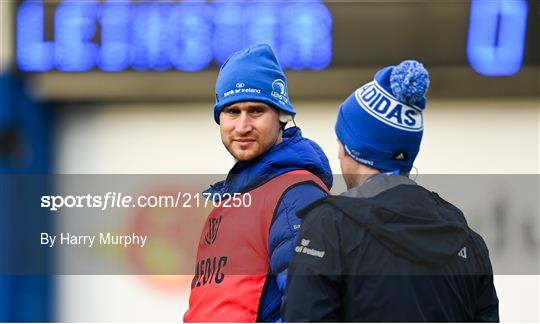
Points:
x=409 y=81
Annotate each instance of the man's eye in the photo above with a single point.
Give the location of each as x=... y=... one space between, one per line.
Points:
x=233 y=111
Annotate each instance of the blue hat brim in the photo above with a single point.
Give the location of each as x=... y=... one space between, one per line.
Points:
x=218 y=107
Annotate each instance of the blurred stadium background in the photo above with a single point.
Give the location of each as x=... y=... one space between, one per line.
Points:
x=126 y=87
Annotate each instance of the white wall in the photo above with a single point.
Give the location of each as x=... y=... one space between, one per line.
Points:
x=473 y=137
x=484 y=137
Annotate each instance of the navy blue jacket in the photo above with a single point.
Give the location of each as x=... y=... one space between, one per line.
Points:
x=293 y=153
x=389 y=251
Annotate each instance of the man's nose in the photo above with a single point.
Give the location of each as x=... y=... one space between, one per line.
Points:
x=244 y=124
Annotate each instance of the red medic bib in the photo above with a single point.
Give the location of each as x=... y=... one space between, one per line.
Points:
x=233 y=258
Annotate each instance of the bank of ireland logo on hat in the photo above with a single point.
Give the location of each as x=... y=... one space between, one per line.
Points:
x=381 y=124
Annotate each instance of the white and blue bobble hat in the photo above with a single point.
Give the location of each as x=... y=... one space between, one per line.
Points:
x=253 y=74
x=381 y=124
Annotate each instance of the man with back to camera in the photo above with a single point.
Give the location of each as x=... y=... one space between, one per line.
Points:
x=244 y=252
x=387 y=249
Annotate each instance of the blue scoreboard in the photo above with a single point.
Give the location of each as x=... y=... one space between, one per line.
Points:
x=191 y=35
x=188 y=35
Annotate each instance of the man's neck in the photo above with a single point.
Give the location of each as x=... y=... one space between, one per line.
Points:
x=280 y=138
x=359 y=179
x=362 y=174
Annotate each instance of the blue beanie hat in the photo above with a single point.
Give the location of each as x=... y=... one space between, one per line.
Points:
x=381 y=124
x=253 y=74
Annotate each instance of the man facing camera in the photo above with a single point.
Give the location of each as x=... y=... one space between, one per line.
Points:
x=387 y=250
x=245 y=249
